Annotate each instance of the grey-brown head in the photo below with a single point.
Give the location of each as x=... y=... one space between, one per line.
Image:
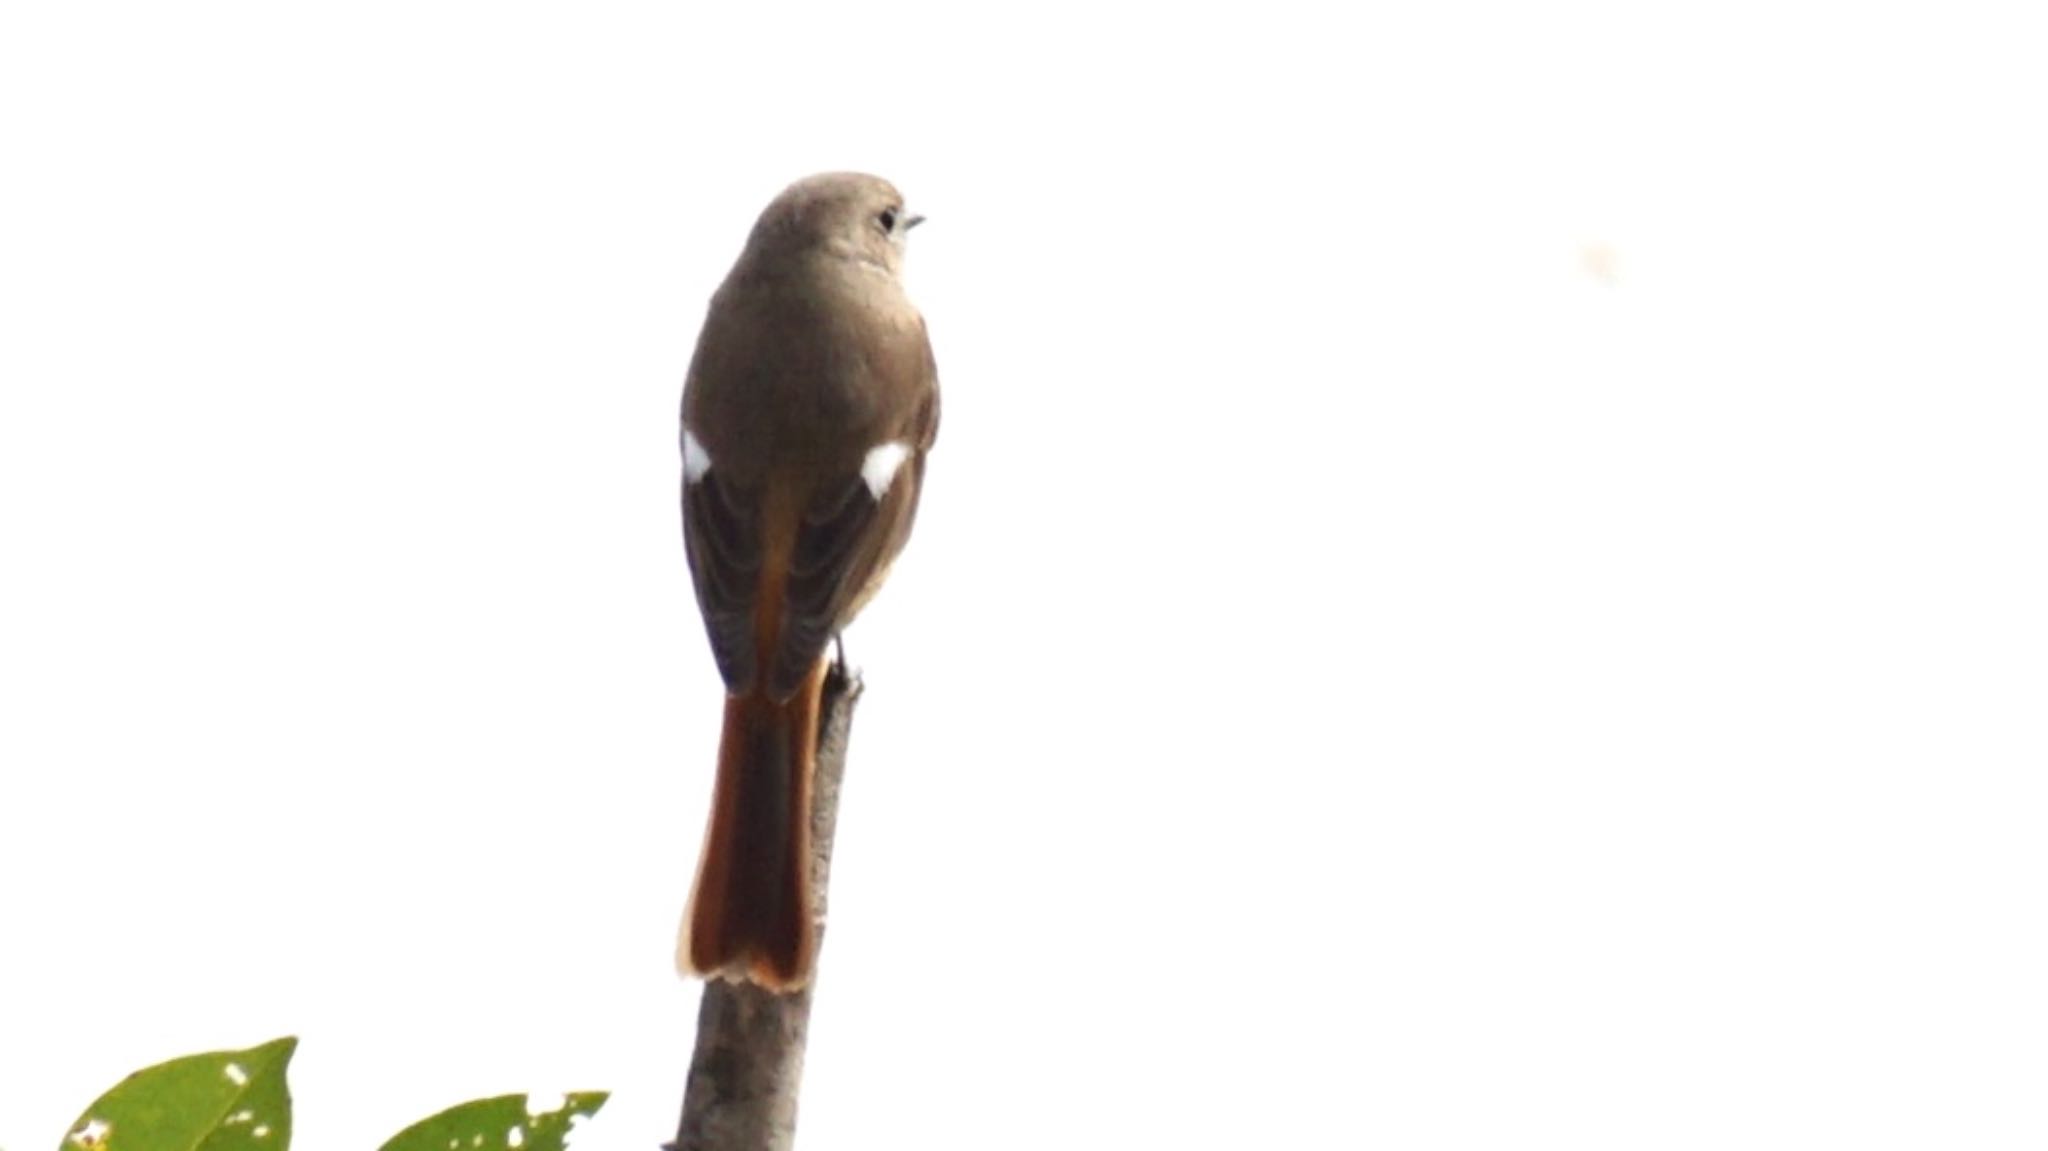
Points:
x=846 y=214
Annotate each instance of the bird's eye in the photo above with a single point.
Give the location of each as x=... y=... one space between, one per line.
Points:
x=887 y=220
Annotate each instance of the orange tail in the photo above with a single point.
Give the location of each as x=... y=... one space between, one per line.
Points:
x=750 y=909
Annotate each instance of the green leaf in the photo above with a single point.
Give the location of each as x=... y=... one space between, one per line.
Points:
x=222 y=1101
x=515 y=1121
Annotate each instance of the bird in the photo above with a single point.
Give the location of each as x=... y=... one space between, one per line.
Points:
x=809 y=407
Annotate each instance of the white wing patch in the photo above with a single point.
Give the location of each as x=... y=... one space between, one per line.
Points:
x=696 y=461
x=879 y=469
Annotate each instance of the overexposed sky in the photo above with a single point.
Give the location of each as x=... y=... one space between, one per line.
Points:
x=1481 y=585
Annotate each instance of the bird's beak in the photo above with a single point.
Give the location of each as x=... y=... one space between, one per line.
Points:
x=912 y=222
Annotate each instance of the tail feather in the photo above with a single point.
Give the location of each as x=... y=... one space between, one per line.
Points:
x=750 y=908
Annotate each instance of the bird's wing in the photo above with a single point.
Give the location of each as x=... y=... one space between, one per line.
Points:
x=721 y=534
x=844 y=545
x=844 y=542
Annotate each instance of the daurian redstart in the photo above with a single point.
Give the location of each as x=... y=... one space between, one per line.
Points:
x=811 y=402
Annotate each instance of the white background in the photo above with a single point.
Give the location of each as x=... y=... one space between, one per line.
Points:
x=1482 y=583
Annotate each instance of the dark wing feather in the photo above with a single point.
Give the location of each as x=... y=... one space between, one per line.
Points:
x=722 y=537
x=844 y=542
